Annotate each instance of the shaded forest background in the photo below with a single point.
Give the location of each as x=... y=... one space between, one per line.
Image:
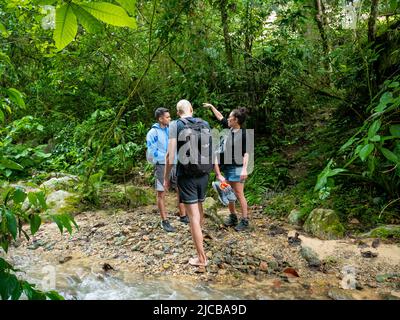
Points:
x=320 y=79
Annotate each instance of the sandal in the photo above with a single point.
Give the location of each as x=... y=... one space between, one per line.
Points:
x=195 y=262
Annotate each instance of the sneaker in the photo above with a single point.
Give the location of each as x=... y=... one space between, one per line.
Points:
x=231 y=221
x=220 y=192
x=184 y=219
x=167 y=226
x=243 y=225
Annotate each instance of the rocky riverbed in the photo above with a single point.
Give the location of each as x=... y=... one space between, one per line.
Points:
x=271 y=260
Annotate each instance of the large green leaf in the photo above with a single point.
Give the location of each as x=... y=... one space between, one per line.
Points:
x=128 y=5
x=16 y=97
x=366 y=151
x=90 y=23
x=385 y=99
x=35 y=223
x=11 y=223
x=19 y=195
x=395 y=130
x=390 y=155
x=109 y=13
x=66 y=26
x=1 y=116
x=373 y=129
x=10 y=164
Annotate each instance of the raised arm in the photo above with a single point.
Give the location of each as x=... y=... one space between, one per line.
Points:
x=217 y=114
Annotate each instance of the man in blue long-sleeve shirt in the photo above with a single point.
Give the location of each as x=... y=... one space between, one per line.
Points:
x=157 y=145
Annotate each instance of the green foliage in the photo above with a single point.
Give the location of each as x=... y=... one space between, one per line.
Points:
x=12 y=220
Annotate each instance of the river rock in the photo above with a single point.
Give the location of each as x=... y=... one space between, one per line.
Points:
x=385 y=231
x=210 y=207
x=66 y=182
x=324 y=224
x=62 y=201
x=311 y=257
x=339 y=294
x=295 y=217
x=140 y=196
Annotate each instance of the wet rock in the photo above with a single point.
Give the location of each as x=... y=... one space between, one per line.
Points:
x=311 y=257
x=293 y=238
x=339 y=294
x=362 y=245
x=369 y=254
x=375 y=243
x=274 y=230
x=107 y=267
x=65 y=259
x=324 y=224
x=386 y=231
x=295 y=217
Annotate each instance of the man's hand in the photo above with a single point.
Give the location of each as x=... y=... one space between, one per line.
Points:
x=166 y=184
x=207 y=105
x=243 y=176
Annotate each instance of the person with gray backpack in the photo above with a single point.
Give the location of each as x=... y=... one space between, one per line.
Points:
x=190 y=139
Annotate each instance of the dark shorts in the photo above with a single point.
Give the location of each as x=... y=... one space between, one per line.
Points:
x=159 y=174
x=192 y=189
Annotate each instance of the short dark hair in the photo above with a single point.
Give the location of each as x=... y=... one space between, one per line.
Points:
x=160 y=112
x=240 y=114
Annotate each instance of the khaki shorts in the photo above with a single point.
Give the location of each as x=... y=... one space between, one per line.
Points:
x=159 y=174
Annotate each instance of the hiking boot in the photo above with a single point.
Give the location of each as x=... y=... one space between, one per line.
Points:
x=231 y=221
x=184 y=219
x=167 y=226
x=243 y=225
x=221 y=194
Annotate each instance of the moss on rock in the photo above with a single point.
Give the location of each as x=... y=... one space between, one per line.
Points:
x=324 y=224
x=384 y=232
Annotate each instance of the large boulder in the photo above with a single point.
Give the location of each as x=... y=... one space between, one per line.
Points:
x=295 y=217
x=210 y=207
x=139 y=196
x=324 y=224
x=386 y=231
x=62 y=201
x=66 y=182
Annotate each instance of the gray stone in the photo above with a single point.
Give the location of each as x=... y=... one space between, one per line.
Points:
x=295 y=217
x=61 y=183
x=339 y=294
x=311 y=257
x=210 y=207
x=324 y=224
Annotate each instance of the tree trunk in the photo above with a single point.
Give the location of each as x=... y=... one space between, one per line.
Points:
x=372 y=21
x=227 y=38
x=322 y=24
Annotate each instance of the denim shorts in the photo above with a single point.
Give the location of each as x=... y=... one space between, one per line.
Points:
x=231 y=172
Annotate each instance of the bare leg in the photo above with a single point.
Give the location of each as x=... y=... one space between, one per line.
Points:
x=238 y=188
x=181 y=206
x=161 y=204
x=193 y=210
x=201 y=215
